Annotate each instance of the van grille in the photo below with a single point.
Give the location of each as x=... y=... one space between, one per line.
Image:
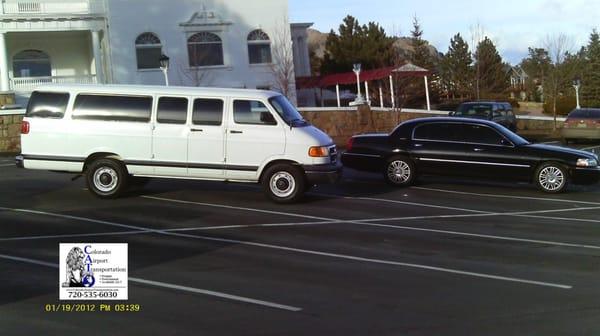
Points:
x=333 y=154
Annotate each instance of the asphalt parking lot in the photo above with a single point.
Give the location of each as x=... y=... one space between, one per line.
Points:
x=446 y=257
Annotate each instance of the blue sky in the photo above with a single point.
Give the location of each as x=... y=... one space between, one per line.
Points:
x=513 y=25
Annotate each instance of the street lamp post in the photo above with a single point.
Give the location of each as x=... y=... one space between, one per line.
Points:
x=164 y=66
x=357 y=70
x=577 y=85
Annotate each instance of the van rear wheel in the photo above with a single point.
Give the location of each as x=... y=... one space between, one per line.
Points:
x=284 y=183
x=106 y=178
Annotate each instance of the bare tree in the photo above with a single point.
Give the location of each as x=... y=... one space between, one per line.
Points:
x=188 y=73
x=282 y=65
x=563 y=66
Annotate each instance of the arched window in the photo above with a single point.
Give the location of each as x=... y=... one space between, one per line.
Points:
x=205 y=49
x=259 y=47
x=148 y=50
x=32 y=63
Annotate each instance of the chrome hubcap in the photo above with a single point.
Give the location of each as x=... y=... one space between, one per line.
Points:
x=105 y=179
x=282 y=184
x=398 y=172
x=551 y=178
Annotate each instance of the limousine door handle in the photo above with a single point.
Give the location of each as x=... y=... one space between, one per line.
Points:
x=478 y=149
x=235 y=132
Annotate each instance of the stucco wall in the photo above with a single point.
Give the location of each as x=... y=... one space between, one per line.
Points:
x=164 y=18
x=70 y=52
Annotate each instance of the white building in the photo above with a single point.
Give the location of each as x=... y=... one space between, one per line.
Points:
x=227 y=43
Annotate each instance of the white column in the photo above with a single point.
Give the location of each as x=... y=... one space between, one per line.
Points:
x=97 y=56
x=337 y=93
x=380 y=96
x=427 y=94
x=392 y=93
x=367 y=93
x=4 y=82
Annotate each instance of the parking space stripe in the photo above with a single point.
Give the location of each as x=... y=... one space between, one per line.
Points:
x=310 y=252
x=271 y=212
x=172 y=286
x=507 y=196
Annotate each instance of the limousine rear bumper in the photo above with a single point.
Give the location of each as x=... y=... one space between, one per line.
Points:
x=327 y=173
x=585 y=175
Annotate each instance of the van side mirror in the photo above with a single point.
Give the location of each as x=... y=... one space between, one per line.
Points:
x=267 y=118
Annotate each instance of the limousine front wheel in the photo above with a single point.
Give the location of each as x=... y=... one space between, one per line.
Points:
x=106 y=178
x=551 y=177
x=400 y=171
x=284 y=183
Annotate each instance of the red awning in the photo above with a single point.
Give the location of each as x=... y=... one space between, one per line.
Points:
x=346 y=78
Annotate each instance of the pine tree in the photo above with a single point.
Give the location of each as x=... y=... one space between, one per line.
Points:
x=491 y=78
x=421 y=55
x=590 y=88
x=537 y=66
x=355 y=43
x=456 y=68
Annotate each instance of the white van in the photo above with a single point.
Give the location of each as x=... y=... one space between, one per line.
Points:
x=119 y=135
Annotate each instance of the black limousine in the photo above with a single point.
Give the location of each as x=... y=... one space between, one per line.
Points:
x=471 y=148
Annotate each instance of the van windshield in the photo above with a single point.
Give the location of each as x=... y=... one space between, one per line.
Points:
x=288 y=112
x=482 y=111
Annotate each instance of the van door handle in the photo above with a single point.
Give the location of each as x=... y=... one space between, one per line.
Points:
x=235 y=132
x=197 y=130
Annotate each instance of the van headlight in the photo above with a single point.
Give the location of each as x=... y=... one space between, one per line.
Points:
x=587 y=163
x=318 y=151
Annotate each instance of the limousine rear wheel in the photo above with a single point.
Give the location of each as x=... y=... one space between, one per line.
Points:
x=284 y=183
x=551 y=177
x=106 y=178
x=400 y=172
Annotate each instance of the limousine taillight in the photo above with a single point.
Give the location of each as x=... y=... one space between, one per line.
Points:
x=349 y=144
x=25 y=127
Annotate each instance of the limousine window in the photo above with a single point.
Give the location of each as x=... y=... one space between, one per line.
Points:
x=208 y=112
x=172 y=110
x=112 y=108
x=482 y=135
x=252 y=112
x=47 y=105
x=438 y=132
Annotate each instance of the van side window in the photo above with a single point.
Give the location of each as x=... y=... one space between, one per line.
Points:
x=112 y=108
x=172 y=110
x=252 y=112
x=208 y=112
x=47 y=105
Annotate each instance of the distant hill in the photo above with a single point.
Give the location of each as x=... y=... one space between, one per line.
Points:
x=317 y=41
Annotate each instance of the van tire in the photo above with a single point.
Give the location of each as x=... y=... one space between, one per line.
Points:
x=106 y=178
x=284 y=183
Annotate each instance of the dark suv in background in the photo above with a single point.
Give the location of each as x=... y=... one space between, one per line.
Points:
x=498 y=112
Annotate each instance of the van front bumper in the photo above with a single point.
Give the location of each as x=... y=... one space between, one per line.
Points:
x=20 y=161
x=319 y=174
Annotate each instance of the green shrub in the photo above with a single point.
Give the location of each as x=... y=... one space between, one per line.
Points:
x=564 y=105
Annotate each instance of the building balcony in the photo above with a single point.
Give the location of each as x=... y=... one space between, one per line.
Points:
x=28 y=84
x=36 y=8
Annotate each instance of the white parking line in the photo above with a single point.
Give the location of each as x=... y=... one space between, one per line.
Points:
x=237 y=208
x=172 y=286
x=507 y=196
x=304 y=251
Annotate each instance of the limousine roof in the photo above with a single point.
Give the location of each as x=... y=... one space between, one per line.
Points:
x=155 y=89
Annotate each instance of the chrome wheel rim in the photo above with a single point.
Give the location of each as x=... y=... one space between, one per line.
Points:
x=551 y=178
x=105 y=179
x=398 y=172
x=282 y=184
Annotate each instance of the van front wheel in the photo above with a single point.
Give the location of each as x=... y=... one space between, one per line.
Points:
x=106 y=178
x=284 y=183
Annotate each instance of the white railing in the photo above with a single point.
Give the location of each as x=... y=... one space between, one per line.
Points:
x=30 y=83
x=29 y=7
